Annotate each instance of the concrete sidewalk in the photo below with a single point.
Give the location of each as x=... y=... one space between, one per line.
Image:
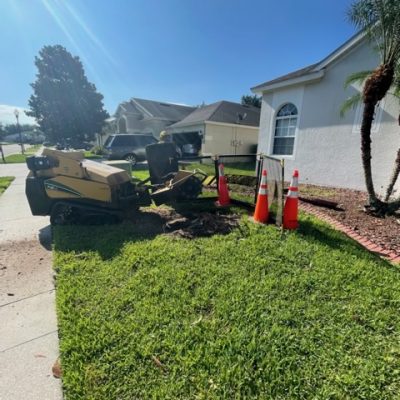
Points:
x=28 y=329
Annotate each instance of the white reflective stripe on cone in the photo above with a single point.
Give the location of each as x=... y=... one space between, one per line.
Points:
x=295 y=181
x=293 y=194
x=263 y=189
x=221 y=170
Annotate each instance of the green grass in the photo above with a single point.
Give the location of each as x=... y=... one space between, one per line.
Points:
x=239 y=168
x=141 y=172
x=5 y=182
x=92 y=156
x=251 y=315
x=15 y=158
x=34 y=148
x=21 y=158
x=316 y=191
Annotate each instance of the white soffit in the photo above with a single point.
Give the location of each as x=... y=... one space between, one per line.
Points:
x=310 y=77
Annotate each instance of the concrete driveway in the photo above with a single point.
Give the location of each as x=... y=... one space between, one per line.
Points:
x=28 y=329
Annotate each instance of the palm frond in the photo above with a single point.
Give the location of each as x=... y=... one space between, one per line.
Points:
x=362 y=13
x=350 y=103
x=380 y=19
x=357 y=77
x=396 y=91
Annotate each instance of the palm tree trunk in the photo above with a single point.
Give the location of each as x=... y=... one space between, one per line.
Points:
x=392 y=207
x=368 y=117
x=395 y=175
x=375 y=89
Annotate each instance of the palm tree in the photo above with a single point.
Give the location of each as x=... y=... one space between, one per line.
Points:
x=396 y=168
x=352 y=102
x=380 y=19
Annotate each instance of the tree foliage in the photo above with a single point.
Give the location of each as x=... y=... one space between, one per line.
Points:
x=251 y=100
x=11 y=129
x=380 y=20
x=64 y=103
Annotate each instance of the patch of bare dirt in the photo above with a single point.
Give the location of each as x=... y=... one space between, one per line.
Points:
x=382 y=231
x=25 y=270
x=186 y=224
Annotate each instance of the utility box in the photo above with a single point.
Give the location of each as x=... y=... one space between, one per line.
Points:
x=121 y=164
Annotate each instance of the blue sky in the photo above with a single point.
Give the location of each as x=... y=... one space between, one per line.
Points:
x=182 y=51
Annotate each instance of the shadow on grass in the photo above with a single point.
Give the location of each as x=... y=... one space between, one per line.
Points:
x=324 y=234
x=140 y=167
x=107 y=240
x=185 y=220
x=202 y=204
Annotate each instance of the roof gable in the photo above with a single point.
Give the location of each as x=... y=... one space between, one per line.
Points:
x=154 y=109
x=312 y=72
x=126 y=107
x=163 y=110
x=224 y=112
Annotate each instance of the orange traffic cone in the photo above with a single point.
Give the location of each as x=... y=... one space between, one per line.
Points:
x=223 y=193
x=291 y=210
x=261 y=212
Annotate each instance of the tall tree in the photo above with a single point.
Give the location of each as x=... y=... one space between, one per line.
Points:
x=380 y=19
x=64 y=103
x=250 y=100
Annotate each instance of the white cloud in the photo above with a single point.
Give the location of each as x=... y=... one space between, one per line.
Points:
x=7 y=115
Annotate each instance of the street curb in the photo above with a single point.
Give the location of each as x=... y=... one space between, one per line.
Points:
x=368 y=244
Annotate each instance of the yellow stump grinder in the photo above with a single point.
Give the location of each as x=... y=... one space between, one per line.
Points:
x=72 y=189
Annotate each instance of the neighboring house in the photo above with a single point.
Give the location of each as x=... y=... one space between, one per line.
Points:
x=300 y=121
x=219 y=128
x=148 y=117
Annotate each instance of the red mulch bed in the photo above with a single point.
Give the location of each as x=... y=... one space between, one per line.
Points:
x=382 y=231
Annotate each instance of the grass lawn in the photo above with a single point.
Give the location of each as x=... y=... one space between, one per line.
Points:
x=92 y=156
x=5 y=182
x=141 y=171
x=249 y=315
x=20 y=158
x=238 y=168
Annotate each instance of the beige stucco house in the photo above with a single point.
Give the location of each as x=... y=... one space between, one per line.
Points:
x=300 y=121
x=220 y=128
x=148 y=117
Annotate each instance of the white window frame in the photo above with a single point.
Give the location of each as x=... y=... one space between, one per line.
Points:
x=123 y=117
x=279 y=118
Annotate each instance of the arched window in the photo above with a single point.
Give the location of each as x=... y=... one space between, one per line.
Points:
x=285 y=130
x=122 y=125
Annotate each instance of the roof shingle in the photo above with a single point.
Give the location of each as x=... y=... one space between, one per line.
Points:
x=291 y=75
x=168 y=111
x=225 y=112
